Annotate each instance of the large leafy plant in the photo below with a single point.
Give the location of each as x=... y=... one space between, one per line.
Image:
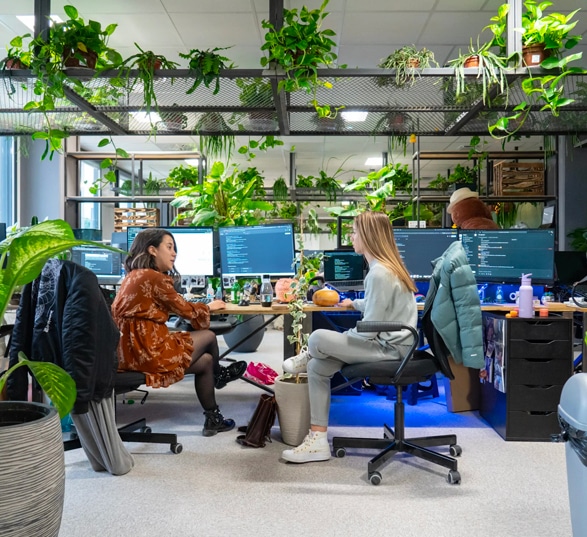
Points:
x=300 y=47
x=225 y=198
x=25 y=253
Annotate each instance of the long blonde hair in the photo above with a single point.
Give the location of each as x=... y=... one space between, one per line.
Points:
x=376 y=233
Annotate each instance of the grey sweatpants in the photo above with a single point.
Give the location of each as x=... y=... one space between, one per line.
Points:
x=330 y=351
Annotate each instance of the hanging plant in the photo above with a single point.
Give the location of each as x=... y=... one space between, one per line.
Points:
x=300 y=47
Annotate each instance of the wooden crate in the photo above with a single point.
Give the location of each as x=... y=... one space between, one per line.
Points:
x=518 y=178
x=124 y=217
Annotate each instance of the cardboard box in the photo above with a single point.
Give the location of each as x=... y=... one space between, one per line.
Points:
x=464 y=392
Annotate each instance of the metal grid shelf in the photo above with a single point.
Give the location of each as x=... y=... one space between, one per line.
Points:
x=426 y=107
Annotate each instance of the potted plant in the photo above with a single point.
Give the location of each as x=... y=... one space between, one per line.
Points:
x=32 y=497
x=225 y=199
x=172 y=121
x=291 y=391
x=66 y=42
x=549 y=32
x=215 y=145
x=300 y=47
x=182 y=176
x=205 y=67
x=141 y=67
x=257 y=93
x=491 y=69
x=405 y=61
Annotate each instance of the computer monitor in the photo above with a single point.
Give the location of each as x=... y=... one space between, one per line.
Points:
x=570 y=267
x=419 y=247
x=342 y=266
x=257 y=250
x=106 y=265
x=503 y=255
x=195 y=248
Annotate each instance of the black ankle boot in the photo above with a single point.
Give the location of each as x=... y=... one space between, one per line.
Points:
x=215 y=423
x=227 y=374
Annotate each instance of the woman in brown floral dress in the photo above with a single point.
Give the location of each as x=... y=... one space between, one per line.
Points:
x=142 y=306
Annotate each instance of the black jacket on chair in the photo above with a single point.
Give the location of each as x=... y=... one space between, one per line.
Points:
x=63 y=318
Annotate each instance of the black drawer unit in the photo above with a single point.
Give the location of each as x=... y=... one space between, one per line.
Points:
x=527 y=362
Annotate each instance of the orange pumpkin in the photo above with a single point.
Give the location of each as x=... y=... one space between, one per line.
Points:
x=283 y=290
x=326 y=297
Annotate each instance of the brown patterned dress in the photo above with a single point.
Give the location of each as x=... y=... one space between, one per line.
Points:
x=140 y=310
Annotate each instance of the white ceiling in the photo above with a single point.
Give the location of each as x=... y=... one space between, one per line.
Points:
x=367 y=31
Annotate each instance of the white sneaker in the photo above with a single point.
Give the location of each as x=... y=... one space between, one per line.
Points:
x=297 y=364
x=314 y=448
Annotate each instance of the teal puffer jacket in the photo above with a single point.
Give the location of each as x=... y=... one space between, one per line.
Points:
x=456 y=310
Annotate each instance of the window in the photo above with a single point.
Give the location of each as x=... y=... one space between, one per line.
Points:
x=7 y=179
x=89 y=213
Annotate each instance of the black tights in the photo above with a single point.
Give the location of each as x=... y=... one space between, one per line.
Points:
x=205 y=364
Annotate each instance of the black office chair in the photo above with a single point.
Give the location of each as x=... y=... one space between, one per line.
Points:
x=416 y=366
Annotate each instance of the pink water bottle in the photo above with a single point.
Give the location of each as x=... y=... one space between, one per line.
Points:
x=526 y=296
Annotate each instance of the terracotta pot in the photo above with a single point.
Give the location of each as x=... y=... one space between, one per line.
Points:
x=533 y=55
x=11 y=63
x=90 y=59
x=414 y=63
x=472 y=61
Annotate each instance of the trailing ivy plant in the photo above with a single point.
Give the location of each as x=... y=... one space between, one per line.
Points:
x=300 y=47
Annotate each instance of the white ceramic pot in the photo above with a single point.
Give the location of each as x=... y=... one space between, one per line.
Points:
x=32 y=469
x=293 y=408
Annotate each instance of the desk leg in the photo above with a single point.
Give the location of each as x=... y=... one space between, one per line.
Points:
x=289 y=349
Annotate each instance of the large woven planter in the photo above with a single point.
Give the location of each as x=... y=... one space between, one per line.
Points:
x=293 y=408
x=32 y=470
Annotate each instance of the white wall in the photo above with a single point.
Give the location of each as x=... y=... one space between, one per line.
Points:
x=40 y=184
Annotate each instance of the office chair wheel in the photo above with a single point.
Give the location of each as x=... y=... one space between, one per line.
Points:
x=375 y=478
x=146 y=430
x=176 y=448
x=455 y=450
x=453 y=477
x=340 y=452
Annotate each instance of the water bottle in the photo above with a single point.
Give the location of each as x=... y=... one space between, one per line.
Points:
x=266 y=292
x=235 y=293
x=499 y=295
x=210 y=291
x=525 y=297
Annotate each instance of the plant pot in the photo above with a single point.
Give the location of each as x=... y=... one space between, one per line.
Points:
x=90 y=59
x=413 y=63
x=249 y=324
x=472 y=61
x=32 y=469
x=13 y=63
x=533 y=55
x=293 y=408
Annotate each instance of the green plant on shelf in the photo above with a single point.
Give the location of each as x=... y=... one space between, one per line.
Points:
x=406 y=61
x=205 y=67
x=225 y=198
x=300 y=47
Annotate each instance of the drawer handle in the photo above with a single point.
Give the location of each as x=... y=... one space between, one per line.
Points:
x=539 y=413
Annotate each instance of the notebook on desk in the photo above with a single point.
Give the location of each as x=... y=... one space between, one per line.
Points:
x=344 y=270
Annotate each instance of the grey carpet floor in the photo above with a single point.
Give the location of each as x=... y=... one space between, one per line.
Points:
x=217 y=487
